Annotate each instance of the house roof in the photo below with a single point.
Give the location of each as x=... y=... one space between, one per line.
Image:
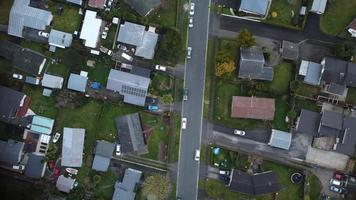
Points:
x=133 y=87
x=10 y=151
x=311 y=71
x=335 y=88
x=32 y=80
x=348 y=138
x=100 y=163
x=42 y=125
x=35 y=167
x=131 y=134
x=90 y=29
x=290 y=50
x=65 y=184
x=140 y=71
x=252 y=65
x=252 y=108
x=352 y=25
x=257 y=184
x=96 y=3
x=308 y=122
x=332 y=119
x=127 y=188
x=103 y=154
x=72 y=147
x=280 y=139
x=78 y=2
x=59 y=38
x=8 y=49
x=51 y=81
x=334 y=70
x=23 y=15
x=350 y=79
x=143 y=7
x=147 y=49
x=13 y=104
x=258 y=7
x=77 y=82
x=29 y=61
x=319 y=6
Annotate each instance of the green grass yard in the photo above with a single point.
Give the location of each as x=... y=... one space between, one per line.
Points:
x=70 y=19
x=166 y=15
x=5 y=7
x=284 y=11
x=282 y=76
x=351 y=96
x=105 y=188
x=337 y=16
x=281 y=111
x=315 y=187
x=58 y=69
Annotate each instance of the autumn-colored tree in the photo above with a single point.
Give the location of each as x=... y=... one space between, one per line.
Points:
x=245 y=38
x=156 y=187
x=225 y=65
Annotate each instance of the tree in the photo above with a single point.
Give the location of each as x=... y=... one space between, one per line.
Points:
x=167 y=99
x=245 y=38
x=225 y=65
x=344 y=50
x=156 y=187
x=169 y=47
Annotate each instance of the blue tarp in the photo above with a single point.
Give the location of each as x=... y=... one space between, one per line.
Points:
x=95 y=85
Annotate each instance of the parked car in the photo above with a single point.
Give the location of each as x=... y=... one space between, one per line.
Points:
x=72 y=171
x=189 y=52
x=239 y=132
x=224 y=172
x=56 y=137
x=18 y=167
x=197 y=155
x=224 y=178
x=118 y=150
x=336 y=182
x=43 y=34
x=339 y=190
x=127 y=57
x=153 y=108
x=160 y=68
x=191 y=8
x=185 y=94
x=339 y=175
x=104 y=35
x=17 y=76
x=190 y=22
x=184 y=123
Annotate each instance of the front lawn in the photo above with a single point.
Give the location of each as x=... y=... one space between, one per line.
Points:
x=5 y=7
x=285 y=12
x=68 y=21
x=337 y=16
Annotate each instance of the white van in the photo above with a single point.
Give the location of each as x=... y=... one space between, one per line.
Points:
x=197 y=155
x=126 y=56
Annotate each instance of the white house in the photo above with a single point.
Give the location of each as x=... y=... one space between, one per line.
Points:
x=91 y=29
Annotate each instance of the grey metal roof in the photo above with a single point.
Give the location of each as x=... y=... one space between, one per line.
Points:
x=103 y=153
x=101 y=163
x=131 y=33
x=351 y=75
x=313 y=73
x=78 y=2
x=143 y=7
x=31 y=80
x=72 y=147
x=280 y=139
x=252 y=65
x=147 y=49
x=60 y=39
x=348 y=139
x=35 y=167
x=50 y=81
x=11 y=151
x=258 y=7
x=308 y=122
x=131 y=134
x=65 y=184
x=332 y=119
x=318 y=6
x=22 y=15
x=133 y=87
x=290 y=50
x=77 y=82
x=127 y=188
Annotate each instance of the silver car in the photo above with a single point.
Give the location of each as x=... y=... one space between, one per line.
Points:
x=189 y=52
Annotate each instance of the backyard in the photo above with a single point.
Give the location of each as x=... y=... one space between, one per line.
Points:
x=5 y=6
x=284 y=10
x=351 y=96
x=68 y=21
x=166 y=15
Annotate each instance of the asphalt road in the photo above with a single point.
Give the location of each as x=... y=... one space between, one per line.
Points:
x=192 y=109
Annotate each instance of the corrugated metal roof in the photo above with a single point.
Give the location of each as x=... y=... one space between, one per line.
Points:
x=35 y=167
x=280 y=139
x=252 y=65
x=10 y=151
x=147 y=49
x=126 y=188
x=60 y=39
x=90 y=29
x=78 y=2
x=77 y=82
x=64 y=184
x=101 y=163
x=313 y=72
x=319 y=6
x=131 y=33
x=72 y=147
x=143 y=7
x=96 y=3
x=42 y=125
x=258 y=7
x=50 y=81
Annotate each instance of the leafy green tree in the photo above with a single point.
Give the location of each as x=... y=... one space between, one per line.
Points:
x=167 y=99
x=344 y=50
x=156 y=187
x=245 y=38
x=169 y=47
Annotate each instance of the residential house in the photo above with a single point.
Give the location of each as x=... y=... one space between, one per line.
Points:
x=143 y=7
x=144 y=40
x=311 y=72
x=252 y=65
x=97 y=3
x=72 y=147
x=65 y=184
x=255 y=7
x=11 y=152
x=280 y=139
x=24 y=15
x=103 y=154
x=350 y=183
x=352 y=28
x=51 y=81
x=330 y=124
x=256 y=184
x=13 y=105
x=59 y=39
x=35 y=167
x=252 y=108
x=289 y=50
x=128 y=187
x=77 y=2
x=319 y=6
x=77 y=82
x=132 y=87
x=131 y=134
x=91 y=29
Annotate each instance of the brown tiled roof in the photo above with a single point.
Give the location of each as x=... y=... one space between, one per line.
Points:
x=252 y=108
x=96 y=3
x=352 y=25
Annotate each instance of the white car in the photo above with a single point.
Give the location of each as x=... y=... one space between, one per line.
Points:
x=43 y=34
x=72 y=171
x=17 y=76
x=160 y=68
x=190 y=22
x=104 y=35
x=56 y=137
x=223 y=172
x=197 y=155
x=336 y=182
x=184 y=123
x=191 y=8
x=118 y=150
x=189 y=52
x=238 y=132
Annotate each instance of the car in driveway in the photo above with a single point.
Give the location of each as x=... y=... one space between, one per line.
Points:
x=197 y=155
x=43 y=34
x=118 y=150
x=160 y=68
x=239 y=132
x=190 y=22
x=191 y=8
x=336 y=189
x=184 y=123
x=185 y=94
x=56 y=137
x=189 y=52
x=224 y=172
x=336 y=182
x=17 y=76
x=153 y=108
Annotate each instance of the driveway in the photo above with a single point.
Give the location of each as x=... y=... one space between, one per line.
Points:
x=258 y=135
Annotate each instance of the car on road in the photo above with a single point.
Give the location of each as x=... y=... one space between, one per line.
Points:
x=339 y=190
x=224 y=172
x=189 y=52
x=43 y=34
x=336 y=182
x=190 y=22
x=160 y=68
x=191 y=8
x=56 y=137
x=185 y=94
x=339 y=175
x=118 y=150
x=239 y=132
x=184 y=123
x=197 y=155
x=17 y=76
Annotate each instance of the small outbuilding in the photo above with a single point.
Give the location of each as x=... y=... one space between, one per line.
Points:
x=36 y=166
x=319 y=6
x=77 y=82
x=103 y=154
x=51 y=81
x=65 y=184
x=72 y=147
x=280 y=139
